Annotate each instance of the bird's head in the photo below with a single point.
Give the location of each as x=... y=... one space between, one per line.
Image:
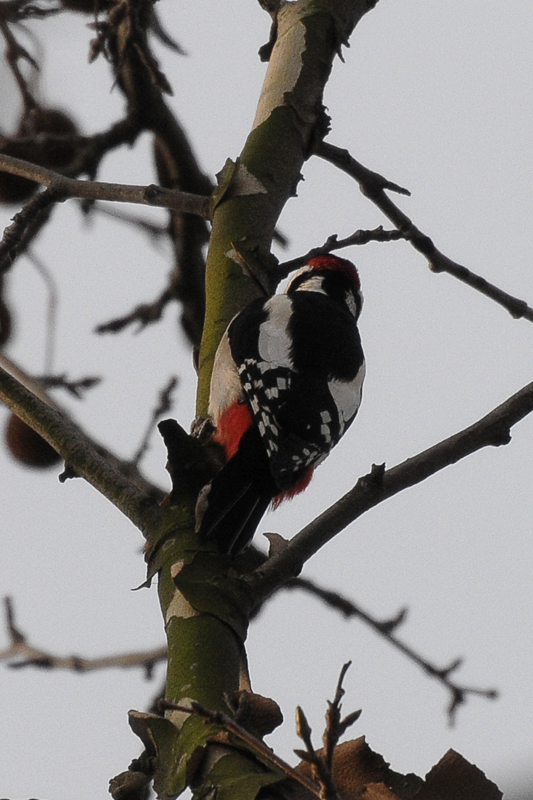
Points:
x=336 y=277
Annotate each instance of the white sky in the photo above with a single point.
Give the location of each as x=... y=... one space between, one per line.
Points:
x=436 y=96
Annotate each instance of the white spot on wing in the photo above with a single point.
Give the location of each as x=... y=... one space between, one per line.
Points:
x=274 y=342
x=326 y=433
x=347 y=397
x=349 y=299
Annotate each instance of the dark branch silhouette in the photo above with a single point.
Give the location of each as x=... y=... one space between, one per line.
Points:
x=21 y=654
x=387 y=629
x=374 y=186
x=380 y=484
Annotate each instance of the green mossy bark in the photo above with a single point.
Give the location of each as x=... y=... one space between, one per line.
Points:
x=274 y=154
x=204 y=604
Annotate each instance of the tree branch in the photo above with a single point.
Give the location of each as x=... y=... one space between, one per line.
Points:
x=387 y=629
x=65 y=188
x=61 y=188
x=379 y=485
x=26 y=224
x=22 y=654
x=333 y=243
x=86 y=458
x=373 y=186
x=252 y=192
x=229 y=724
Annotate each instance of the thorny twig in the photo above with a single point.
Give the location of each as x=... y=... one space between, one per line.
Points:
x=387 y=629
x=374 y=186
x=163 y=406
x=75 y=388
x=322 y=763
x=144 y=314
x=333 y=243
x=26 y=224
x=21 y=654
x=226 y=722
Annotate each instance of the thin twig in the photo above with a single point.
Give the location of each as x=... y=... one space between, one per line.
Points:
x=89 y=152
x=386 y=629
x=61 y=188
x=144 y=314
x=15 y=52
x=374 y=185
x=335 y=725
x=320 y=769
x=333 y=243
x=51 y=311
x=26 y=224
x=66 y=187
x=321 y=762
x=226 y=722
x=75 y=388
x=164 y=405
x=21 y=654
x=155 y=231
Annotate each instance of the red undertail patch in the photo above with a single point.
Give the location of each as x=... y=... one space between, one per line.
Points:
x=301 y=484
x=232 y=424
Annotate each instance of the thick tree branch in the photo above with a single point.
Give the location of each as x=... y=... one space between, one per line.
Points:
x=60 y=188
x=373 y=186
x=289 y=121
x=379 y=485
x=80 y=453
x=38 y=386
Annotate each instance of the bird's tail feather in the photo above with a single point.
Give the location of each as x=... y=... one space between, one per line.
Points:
x=236 y=500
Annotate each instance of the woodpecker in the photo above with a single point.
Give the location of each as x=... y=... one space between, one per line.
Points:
x=286 y=385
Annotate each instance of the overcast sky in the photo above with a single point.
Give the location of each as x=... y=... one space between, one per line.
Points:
x=436 y=96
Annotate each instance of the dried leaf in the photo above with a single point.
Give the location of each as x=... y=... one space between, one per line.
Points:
x=454 y=778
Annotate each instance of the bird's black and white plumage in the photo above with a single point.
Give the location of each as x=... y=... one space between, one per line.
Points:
x=286 y=384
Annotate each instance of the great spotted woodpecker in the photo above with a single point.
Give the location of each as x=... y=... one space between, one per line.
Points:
x=286 y=384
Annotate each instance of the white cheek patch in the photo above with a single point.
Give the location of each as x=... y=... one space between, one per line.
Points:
x=315 y=283
x=303 y=271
